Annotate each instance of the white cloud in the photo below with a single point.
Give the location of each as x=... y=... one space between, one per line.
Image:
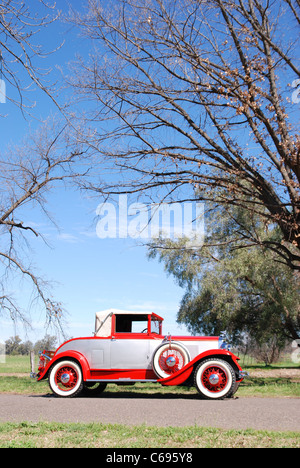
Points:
x=69 y=238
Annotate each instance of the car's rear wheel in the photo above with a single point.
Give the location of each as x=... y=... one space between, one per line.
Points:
x=169 y=358
x=65 y=379
x=215 y=379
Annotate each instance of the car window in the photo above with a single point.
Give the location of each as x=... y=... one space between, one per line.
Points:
x=131 y=323
x=139 y=327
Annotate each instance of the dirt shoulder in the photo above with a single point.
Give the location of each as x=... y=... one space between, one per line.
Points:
x=15 y=374
x=276 y=373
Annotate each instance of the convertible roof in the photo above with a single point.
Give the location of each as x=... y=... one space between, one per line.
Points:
x=103 y=319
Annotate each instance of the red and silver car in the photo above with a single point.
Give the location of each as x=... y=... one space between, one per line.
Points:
x=130 y=347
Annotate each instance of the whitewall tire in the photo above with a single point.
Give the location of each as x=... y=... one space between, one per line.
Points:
x=215 y=379
x=65 y=379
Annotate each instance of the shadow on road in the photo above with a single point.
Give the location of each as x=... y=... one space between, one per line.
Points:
x=107 y=395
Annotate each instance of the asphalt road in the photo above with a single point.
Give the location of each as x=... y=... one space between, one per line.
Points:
x=239 y=413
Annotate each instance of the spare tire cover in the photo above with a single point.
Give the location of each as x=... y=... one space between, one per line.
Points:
x=169 y=358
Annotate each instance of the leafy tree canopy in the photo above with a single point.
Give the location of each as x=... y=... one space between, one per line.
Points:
x=244 y=290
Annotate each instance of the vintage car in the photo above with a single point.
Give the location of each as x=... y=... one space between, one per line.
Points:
x=129 y=347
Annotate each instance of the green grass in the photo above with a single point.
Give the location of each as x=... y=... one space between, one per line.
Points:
x=95 y=435
x=269 y=387
x=16 y=364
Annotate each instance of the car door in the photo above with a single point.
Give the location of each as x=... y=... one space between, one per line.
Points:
x=130 y=352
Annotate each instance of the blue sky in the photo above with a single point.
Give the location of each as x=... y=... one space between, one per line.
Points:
x=88 y=273
x=91 y=274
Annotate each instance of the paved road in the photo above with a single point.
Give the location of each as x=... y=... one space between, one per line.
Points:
x=239 y=413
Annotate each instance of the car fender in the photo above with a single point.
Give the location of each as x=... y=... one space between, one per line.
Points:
x=75 y=355
x=181 y=376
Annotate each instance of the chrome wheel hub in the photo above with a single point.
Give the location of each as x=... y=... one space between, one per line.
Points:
x=171 y=361
x=65 y=378
x=214 y=379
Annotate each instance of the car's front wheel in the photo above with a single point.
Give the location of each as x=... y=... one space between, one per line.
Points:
x=65 y=379
x=215 y=379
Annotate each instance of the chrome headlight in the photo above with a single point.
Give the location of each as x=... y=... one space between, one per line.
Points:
x=222 y=341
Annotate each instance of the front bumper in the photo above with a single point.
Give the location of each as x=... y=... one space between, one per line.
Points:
x=242 y=375
x=45 y=358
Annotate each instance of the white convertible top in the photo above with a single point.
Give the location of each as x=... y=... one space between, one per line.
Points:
x=104 y=319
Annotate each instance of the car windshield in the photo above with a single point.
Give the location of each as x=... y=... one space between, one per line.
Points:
x=155 y=326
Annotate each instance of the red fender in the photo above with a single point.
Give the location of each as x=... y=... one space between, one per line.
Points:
x=181 y=376
x=68 y=355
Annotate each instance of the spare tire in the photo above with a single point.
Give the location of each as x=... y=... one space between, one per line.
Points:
x=169 y=358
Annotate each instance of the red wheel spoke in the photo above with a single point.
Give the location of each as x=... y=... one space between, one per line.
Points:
x=214 y=379
x=66 y=378
x=171 y=361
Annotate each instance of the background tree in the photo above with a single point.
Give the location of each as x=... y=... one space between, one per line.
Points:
x=15 y=346
x=48 y=343
x=241 y=290
x=192 y=95
x=12 y=345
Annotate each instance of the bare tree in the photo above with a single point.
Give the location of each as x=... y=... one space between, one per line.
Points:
x=46 y=158
x=21 y=51
x=28 y=173
x=190 y=95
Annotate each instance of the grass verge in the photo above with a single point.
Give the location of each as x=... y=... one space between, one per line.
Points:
x=95 y=435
